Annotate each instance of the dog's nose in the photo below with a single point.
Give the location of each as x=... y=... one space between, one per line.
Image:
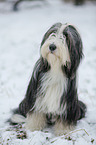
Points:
x=52 y=47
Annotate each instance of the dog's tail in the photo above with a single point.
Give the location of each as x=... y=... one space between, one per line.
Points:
x=17 y=118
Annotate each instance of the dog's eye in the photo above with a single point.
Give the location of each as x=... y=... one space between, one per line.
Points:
x=53 y=35
x=62 y=37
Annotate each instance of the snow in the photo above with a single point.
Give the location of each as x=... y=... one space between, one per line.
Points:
x=21 y=33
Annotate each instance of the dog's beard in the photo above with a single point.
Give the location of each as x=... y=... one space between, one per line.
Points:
x=52 y=59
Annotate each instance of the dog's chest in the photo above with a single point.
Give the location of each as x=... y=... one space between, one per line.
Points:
x=54 y=84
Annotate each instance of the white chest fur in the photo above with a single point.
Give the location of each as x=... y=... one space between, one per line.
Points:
x=54 y=83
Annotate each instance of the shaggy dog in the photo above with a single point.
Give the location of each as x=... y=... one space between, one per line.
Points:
x=51 y=97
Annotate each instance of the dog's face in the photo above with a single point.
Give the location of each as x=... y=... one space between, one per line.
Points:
x=62 y=44
x=55 y=48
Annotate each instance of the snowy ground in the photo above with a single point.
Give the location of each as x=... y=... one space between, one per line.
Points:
x=20 y=35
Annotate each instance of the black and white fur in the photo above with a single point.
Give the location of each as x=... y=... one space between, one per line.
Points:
x=51 y=97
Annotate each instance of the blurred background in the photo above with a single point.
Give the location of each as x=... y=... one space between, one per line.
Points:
x=15 y=4
x=22 y=26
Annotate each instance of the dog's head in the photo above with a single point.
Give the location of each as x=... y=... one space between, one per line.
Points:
x=62 y=44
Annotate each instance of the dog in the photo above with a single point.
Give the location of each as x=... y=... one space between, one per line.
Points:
x=51 y=97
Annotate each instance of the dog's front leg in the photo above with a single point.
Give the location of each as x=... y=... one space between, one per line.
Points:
x=35 y=121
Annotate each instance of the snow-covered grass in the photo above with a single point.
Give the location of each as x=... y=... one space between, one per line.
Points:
x=20 y=35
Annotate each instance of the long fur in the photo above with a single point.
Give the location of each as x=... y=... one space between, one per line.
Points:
x=52 y=90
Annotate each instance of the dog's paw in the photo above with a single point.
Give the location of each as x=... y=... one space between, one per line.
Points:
x=61 y=128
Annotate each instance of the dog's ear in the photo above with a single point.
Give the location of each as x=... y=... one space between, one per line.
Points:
x=74 y=44
x=53 y=29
